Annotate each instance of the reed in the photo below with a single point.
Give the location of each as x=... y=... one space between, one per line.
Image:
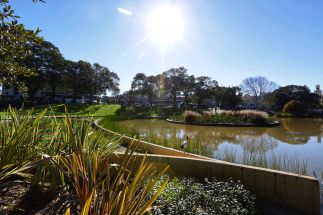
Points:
x=271 y=160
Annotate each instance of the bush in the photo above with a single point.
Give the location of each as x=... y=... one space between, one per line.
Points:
x=188 y=196
x=191 y=116
x=227 y=116
x=295 y=108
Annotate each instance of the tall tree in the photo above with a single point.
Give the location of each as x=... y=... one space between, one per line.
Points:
x=203 y=88
x=257 y=87
x=188 y=88
x=174 y=80
x=104 y=80
x=139 y=83
x=145 y=85
x=227 y=97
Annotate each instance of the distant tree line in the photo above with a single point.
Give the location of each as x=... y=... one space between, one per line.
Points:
x=268 y=95
x=53 y=72
x=30 y=63
x=177 y=82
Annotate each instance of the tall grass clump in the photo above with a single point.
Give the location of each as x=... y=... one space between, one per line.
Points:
x=20 y=138
x=270 y=160
x=191 y=116
x=80 y=159
x=227 y=116
x=104 y=183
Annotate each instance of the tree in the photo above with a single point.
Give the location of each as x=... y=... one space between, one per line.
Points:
x=14 y=47
x=278 y=98
x=203 y=88
x=257 y=87
x=145 y=85
x=174 y=80
x=104 y=80
x=188 y=88
x=139 y=83
x=227 y=97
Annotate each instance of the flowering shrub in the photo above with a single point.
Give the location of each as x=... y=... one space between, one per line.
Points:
x=191 y=116
x=226 y=116
x=254 y=115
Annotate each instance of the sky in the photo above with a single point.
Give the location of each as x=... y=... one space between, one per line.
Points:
x=227 y=40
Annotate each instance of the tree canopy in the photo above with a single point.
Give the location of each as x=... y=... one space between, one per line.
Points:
x=278 y=98
x=257 y=87
x=15 y=46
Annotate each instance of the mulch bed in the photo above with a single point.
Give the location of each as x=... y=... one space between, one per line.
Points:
x=23 y=198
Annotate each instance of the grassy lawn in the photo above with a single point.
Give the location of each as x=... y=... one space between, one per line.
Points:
x=76 y=109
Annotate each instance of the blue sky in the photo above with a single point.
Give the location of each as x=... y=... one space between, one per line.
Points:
x=228 y=40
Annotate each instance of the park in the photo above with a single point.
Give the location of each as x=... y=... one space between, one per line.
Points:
x=75 y=139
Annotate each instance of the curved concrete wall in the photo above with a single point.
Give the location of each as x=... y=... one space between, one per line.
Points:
x=298 y=192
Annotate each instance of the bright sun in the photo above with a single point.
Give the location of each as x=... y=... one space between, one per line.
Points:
x=166 y=25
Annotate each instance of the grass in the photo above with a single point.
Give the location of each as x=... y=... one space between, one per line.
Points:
x=271 y=160
x=75 y=109
x=226 y=116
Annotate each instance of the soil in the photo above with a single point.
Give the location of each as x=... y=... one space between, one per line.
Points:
x=23 y=198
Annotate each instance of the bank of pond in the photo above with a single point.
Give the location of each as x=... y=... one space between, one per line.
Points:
x=294 y=146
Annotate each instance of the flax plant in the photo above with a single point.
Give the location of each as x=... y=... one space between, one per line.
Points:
x=20 y=136
x=103 y=183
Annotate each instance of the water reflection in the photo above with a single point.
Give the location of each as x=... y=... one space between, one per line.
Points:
x=291 y=131
x=300 y=137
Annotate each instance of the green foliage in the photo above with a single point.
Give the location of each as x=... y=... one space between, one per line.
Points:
x=126 y=112
x=189 y=196
x=224 y=116
x=74 y=109
x=19 y=141
x=49 y=149
x=227 y=97
x=295 y=108
x=278 y=98
x=14 y=49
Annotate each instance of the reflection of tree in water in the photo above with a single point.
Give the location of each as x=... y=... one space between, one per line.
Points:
x=258 y=144
x=206 y=139
x=298 y=131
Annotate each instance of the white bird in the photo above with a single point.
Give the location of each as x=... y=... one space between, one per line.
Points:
x=184 y=143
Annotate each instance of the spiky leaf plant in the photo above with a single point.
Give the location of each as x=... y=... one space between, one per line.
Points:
x=20 y=136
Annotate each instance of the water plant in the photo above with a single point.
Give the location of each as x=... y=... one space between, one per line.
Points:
x=226 y=116
x=253 y=157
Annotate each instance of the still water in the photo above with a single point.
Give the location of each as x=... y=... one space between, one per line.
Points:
x=294 y=138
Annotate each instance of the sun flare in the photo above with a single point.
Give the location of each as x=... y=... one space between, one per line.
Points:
x=166 y=25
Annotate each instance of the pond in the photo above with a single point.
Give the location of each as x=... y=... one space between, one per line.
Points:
x=293 y=146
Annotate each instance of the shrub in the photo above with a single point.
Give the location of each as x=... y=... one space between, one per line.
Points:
x=188 y=196
x=254 y=115
x=191 y=116
x=295 y=108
